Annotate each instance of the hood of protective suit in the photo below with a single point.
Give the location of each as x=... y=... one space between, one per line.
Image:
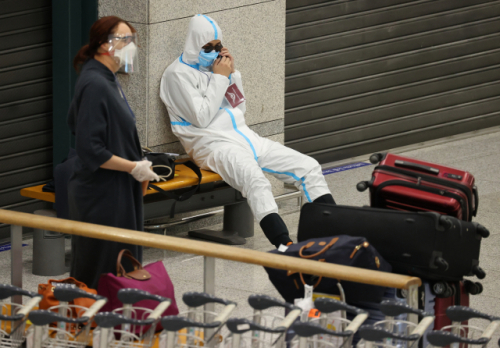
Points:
x=202 y=30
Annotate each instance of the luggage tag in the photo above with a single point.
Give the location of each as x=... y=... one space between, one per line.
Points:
x=234 y=95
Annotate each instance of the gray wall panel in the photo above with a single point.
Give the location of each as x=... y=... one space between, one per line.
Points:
x=25 y=143
x=412 y=137
x=414 y=11
x=335 y=9
x=25 y=159
x=364 y=76
x=393 y=62
x=395 y=78
x=26 y=55
x=27 y=19
x=388 y=111
x=27 y=107
x=25 y=102
x=414 y=42
x=26 y=72
x=391 y=31
x=391 y=95
x=25 y=90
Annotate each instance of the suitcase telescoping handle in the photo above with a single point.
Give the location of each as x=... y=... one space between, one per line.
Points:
x=416 y=166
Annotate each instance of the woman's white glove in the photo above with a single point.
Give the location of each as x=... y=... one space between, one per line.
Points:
x=142 y=172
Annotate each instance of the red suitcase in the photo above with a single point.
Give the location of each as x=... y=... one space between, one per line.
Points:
x=407 y=184
x=460 y=298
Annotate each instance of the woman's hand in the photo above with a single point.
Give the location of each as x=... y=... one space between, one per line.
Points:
x=142 y=172
x=225 y=53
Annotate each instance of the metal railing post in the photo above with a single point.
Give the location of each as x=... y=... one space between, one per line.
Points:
x=209 y=288
x=16 y=259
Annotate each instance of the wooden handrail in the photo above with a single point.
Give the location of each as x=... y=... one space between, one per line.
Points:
x=190 y=246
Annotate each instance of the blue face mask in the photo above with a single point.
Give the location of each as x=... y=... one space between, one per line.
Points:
x=207 y=59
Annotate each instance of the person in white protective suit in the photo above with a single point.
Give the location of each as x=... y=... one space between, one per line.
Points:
x=200 y=90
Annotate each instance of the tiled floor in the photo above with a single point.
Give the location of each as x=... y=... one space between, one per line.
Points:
x=478 y=154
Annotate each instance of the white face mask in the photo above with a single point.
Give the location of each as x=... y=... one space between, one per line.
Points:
x=126 y=56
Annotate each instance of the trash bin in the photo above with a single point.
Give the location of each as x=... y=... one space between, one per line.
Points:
x=48 y=249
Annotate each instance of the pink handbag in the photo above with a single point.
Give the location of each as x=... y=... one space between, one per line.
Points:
x=152 y=278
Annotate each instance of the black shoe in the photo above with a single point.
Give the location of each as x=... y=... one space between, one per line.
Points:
x=275 y=229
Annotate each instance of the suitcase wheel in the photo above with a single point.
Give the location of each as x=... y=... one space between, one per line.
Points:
x=362 y=186
x=442 y=289
x=376 y=157
x=479 y=272
x=482 y=231
x=473 y=288
x=480 y=287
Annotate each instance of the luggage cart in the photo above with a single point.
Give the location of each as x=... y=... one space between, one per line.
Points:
x=263 y=329
x=392 y=332
x=130 y=297
x=329 y=330
x=196 y=327
x=13 y=316
x=72 y=321
x=312 y=335
x=457 y=335
x=137 y=325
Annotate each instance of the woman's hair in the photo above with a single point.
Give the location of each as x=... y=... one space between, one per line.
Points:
x=99 y=33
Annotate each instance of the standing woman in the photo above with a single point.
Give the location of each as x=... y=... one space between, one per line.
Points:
x=106 y=185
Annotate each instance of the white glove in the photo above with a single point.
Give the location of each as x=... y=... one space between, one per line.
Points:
x=142 y=172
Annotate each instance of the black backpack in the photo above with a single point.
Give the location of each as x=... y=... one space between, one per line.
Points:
x=342 y=250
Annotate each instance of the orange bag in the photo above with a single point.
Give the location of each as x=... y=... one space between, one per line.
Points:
x=49 y=300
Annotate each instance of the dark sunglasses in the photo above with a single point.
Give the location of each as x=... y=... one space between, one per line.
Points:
x=210 y=48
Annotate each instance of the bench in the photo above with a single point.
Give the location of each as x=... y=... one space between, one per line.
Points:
x=213 y=192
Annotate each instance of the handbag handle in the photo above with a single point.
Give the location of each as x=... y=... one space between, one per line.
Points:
x=120 y=271
x=310 y=244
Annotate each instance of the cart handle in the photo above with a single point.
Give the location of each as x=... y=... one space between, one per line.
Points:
x=109 y=320
x=330 y=305
x=44 y=317
x=23 y=311
x=131 y=296
x=242 y=325
x=423 y=325
x=290 y=319
x=197 y=299
x=308 y=329
x=444 y=338
x=176 y=323
x=30 y=305
x=461 y=313
x=7 y=290
x=262 y=302
x=376 y=333
x=96 y=307
x=160 y=309
x=357 y=322
x=69 y=292
x=393 y=308
x=224 y=315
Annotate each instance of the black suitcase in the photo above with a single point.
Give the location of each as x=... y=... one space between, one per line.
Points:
x=423 y=244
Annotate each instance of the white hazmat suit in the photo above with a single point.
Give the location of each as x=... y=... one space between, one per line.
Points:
x=215 y=135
